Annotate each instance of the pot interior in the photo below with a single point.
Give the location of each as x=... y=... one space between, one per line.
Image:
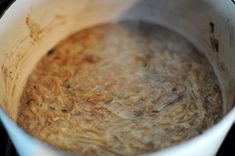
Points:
x=31 y=29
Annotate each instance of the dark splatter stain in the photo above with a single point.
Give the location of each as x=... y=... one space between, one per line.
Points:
x=212 y=27
x=214 y=41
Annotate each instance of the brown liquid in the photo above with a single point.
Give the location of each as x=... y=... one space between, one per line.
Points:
x=120 y=89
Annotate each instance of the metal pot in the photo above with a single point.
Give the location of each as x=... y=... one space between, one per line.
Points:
x=28 y=29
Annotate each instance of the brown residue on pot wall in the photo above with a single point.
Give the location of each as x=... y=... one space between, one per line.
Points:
x=214 y=41
x=6 y=76
x=229 y=82
x=230 y=92
x=37 y=31
x=34 y=28
x=4 y=73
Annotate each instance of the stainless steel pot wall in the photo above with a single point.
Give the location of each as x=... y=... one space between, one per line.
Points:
x=28 y=29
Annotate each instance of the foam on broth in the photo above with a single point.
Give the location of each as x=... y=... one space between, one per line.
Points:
x=122 y=88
